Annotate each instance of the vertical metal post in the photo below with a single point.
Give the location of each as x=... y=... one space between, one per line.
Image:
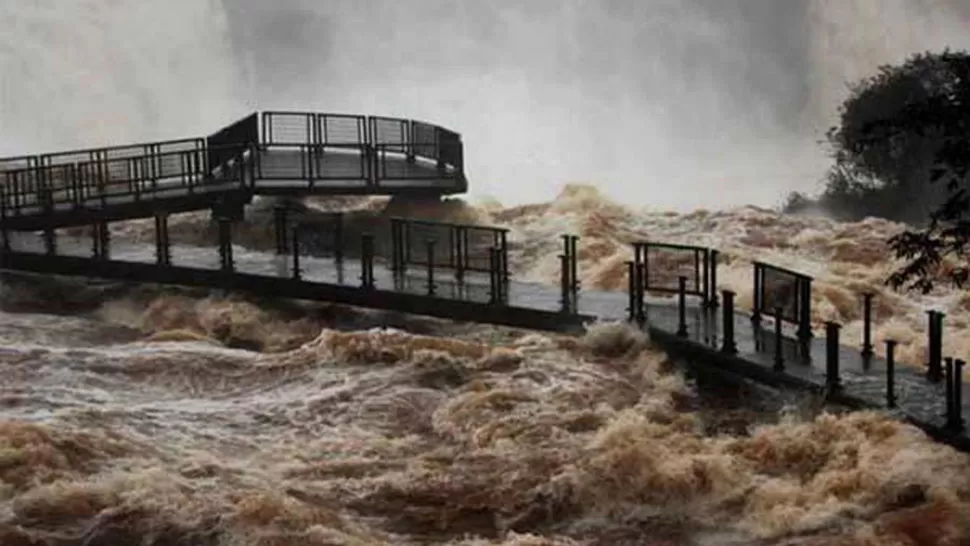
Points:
x=805 y=310
x=367 y=261
x=639 y=276
x=279 y=227
x=295 y=248
x=503 y=255
x=494 y=274
x=730 y=346
x=958 y=422
x=338 y=238
x=225 y=243
x=564 y=282
x=163 y=253
x=574 y=272
x=758 y=281
x=460 y=238
x=832 y=379
x=631 y=290
x=891 y=373
x=934 y=370
x=95 y=240
x=641 y=293
x=431 y=286
x=779 y=340
x=948 y=377
x=50 y=241
x=713 y=278
x=867 y=325
x=682 y=306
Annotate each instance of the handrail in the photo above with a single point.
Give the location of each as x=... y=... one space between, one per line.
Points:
x=45 y=178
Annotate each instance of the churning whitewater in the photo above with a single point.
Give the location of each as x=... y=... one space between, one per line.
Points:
x=137 y=415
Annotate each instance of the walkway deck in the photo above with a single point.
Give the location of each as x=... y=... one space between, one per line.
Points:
x=298 y=154
x=283 y=154
x=529 y=305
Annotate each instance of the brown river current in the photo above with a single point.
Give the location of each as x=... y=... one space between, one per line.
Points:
x=166 y=417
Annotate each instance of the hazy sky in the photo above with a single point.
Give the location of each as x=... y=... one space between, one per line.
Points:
x=670 y=103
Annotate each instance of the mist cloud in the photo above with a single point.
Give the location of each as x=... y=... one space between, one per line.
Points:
x=668 y=103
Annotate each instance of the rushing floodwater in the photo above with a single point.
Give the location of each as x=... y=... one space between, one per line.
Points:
x=127 y=414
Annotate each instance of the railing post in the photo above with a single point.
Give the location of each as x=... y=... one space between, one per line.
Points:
x=958 y=422
x=682 y=306
x=460 y=235
x=295 y=248
x=832 y=379
x=779 y=365
x=225 y=243
x=805 y=310
x=934 y=370
x=431 y=285
x=95 y=240
x=574 y=272
x=503 y=250
x=867 y=325
x=163 y=254
x=631 y=290
x=570 y=283
x=640 y=271
x=50 y=241
x=494 y=272
x=730 y=345
x=712 y=291
x=564 y=282
x=758 y=282
x=367 y=261
x=338 y=236
x=948 y=377
x=279 y=226
x=891 y=373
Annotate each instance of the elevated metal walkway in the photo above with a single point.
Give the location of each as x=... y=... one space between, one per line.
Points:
x=273 y=153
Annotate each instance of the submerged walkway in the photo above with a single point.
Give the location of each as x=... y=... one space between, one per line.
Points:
x=458 y=272
x=862 y=381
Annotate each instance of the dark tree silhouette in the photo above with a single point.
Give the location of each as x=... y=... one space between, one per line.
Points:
x=909 y=128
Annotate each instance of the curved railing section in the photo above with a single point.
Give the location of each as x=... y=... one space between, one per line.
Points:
x=268 y=152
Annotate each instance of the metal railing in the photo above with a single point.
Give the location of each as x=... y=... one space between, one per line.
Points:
x=777 y=289
x=462 y=247
x=304 y=146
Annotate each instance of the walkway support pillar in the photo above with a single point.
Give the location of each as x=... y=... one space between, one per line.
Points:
x=367 y=261
x=50 y=241
x=867 y=325
x=958 y=422
x=163 y=252
x=225 y=243
x=280 y=228
x=100 y=241
x=891 y=373
x=569 y=283
x=631 y=290
x=948 y=389
x=295 y=248
x=682 y=306
x=779 y=341
x=934 y=368
x=712 y=302
x=729 y=345
x=430 y=243
x=338 y=239
x=832 y=379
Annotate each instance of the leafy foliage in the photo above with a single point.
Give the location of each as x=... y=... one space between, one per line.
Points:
x=902 y=151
